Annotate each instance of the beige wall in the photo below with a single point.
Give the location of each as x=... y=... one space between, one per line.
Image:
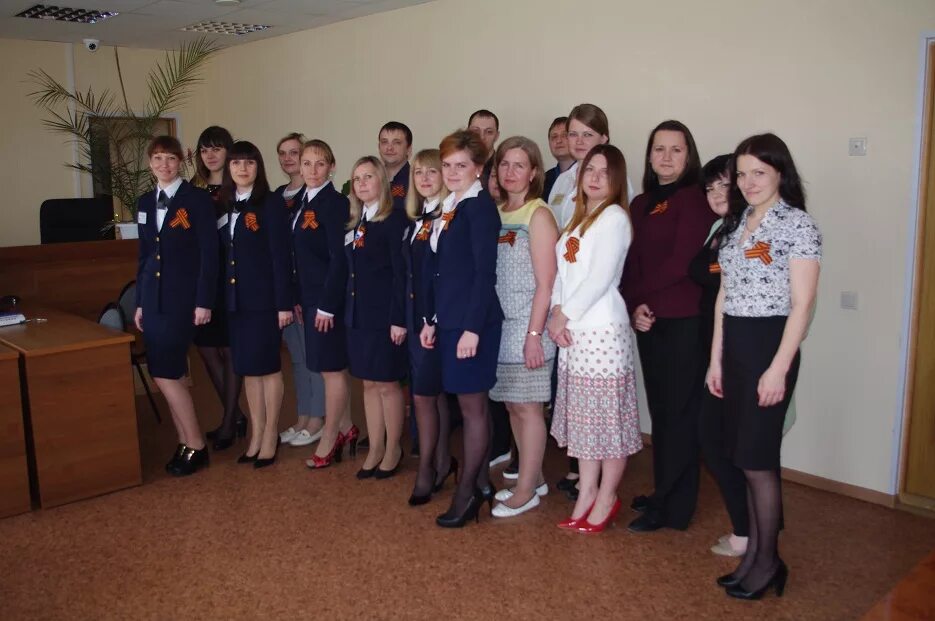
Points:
x=816 y=73
x=31 y=157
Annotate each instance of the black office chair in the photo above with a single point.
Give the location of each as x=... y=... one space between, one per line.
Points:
x=112 y=316
x=75 y=219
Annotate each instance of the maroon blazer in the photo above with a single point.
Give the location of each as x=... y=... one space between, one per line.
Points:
x=666 y=237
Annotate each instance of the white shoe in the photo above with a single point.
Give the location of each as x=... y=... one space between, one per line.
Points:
x=502 y=510
x=499 y=459
x=510 y=475
x=724 y=547
x=304 y=438
x=506 y=494
x=287 y=435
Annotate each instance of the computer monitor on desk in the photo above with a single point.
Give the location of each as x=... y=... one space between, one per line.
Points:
x=75 y=219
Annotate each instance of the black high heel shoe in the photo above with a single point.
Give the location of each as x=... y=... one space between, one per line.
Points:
x=471 y=511
x=487 y=493
x=452 y=470
x=221 y=443
x=385 y=474
x=728 y=580
x=777 y=580
x=179 y=451
x=420 y=499
x=262 y=462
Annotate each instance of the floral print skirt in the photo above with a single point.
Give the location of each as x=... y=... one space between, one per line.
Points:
x=596 y=414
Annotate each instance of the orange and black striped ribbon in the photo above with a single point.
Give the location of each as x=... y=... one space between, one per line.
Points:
x=447 y=218
x=181 y=219
x=572 y=245
x=249 y=221
x=309 y=221
x=714 y=268
x=759 y=251
x=508 y=238
x=660 y=208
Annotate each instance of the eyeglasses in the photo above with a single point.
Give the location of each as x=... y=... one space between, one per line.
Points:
x=718 y=187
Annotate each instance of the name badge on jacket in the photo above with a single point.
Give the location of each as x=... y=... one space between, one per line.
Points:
x=141 y=217
x=222 y=221
x=558 y=200
x=349 y=238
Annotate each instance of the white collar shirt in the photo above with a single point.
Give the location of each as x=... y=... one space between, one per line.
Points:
x=170 y=191
x=449 y=205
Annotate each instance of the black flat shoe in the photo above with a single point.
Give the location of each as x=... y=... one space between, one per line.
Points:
x=778 y=580
x=645 y=523
x=386 y=474
x=262 y=462
x=179 y=451
x=366 y=473
x=190 y=462
x=640 y=503
x=471 y=511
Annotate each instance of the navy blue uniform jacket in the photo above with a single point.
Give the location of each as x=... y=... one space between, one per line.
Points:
x=178 y=266
x=318 y=251
x=376 y=288
x=465 y=280
x=258 y=266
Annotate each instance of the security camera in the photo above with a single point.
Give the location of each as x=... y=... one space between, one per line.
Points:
x=92 y=44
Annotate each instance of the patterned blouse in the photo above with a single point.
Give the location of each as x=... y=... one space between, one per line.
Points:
x=755 y=274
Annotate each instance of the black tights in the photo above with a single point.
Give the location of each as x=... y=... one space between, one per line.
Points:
x=476 y=472
x=226 y=383
x=434 y=426
x=764 y=504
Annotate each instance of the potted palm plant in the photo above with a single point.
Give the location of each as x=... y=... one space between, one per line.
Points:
x=111 y=136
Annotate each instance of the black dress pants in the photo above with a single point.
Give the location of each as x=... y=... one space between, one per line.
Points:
x=672 y=359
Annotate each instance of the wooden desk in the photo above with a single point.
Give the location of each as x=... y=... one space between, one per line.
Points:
x=78 y=277
x=80 y=410
x=14 y=474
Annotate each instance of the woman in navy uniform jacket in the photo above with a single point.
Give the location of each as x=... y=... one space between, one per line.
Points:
x=258 y=292
x=176 y=280
x=423 y=206
x=467 y=310
x=374 y=312
x=321 y=278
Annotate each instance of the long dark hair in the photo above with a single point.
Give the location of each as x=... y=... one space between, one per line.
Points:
x=244 y=150
x=692 y=173
x=771 y=150
x=213 y=136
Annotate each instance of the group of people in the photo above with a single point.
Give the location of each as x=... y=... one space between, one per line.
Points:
x=473 y=276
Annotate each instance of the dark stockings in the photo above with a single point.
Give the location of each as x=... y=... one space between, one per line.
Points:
x=434 y=426
x=476 y=472
x=226 y=383
x=764 y=503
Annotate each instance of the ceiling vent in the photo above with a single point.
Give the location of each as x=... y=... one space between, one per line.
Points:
x=65 y=14
x=224 y=28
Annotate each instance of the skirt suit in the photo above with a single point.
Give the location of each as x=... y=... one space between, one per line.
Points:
x=215 y=332
x=375 y=296
x=258 y=282
x=425 y=369
x=320 y=269
x=463 y=289
x=176 y=272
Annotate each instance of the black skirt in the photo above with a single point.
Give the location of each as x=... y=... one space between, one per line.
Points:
x=373 y=356
x=753 y=434
x=167 y=338
x=325 y=352
x=425 y=368
x=256 y=342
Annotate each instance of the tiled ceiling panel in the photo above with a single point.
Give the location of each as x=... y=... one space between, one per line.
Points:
x=158 y=23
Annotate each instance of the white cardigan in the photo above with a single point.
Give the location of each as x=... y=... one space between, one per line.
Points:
x=587 y=288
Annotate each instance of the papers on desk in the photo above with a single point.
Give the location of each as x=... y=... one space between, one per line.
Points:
x=11 y=319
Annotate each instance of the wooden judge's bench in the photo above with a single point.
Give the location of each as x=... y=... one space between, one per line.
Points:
x=68 y=426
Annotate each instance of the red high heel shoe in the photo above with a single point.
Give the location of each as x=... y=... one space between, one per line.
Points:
x=572 y=523
x=334 y=456
x=350 y=439
x=588 y=528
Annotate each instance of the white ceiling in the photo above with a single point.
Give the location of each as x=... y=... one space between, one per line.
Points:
x=156 y=23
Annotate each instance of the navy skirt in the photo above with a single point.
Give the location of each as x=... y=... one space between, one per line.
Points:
x=167 y=338
x=425 y=368
x=325 y=352
x=373 y=356
x=215 y=332
x=753 y=434
x=469 y=375
x=256 y=342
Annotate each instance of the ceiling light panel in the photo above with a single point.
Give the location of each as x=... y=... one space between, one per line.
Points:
x=65 y=14
x=224 y=28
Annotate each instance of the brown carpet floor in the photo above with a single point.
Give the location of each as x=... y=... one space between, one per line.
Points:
x=288 y=543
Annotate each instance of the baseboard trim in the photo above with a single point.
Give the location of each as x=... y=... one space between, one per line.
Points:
x=828 y=485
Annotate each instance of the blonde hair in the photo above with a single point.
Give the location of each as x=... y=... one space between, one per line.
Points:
x=616 y=182
x=386 y=199
x=430 y=158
